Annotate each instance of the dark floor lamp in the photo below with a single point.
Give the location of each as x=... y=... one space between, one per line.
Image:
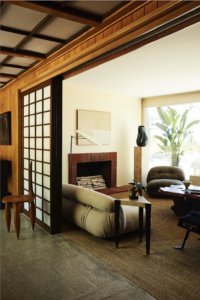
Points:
x=81 y=135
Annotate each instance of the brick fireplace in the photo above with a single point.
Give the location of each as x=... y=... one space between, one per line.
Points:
x=86 y=164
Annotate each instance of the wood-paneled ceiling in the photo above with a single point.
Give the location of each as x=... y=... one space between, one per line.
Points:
x=32 y=30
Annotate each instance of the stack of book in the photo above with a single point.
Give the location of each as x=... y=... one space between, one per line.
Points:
x=92 y=182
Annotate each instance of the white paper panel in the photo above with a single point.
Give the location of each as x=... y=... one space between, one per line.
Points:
x=26 y=153
x=26 y=175
x=38 y=202
x=26 y=206
x=46 y=219
x=38 y=130
x=32 y=143
x=26 y=184
x=46 y=105
x=25 y=192
x=39 y=178
x=39 y=95
x=38 y=119
x=46 y=206
x=26 y=164
x=39 y=214
x=46 y=181
x=38 y=167
x=46 y=118
x=39 y=155
x=26 y=100
x=39 y=143
x=26 y=143
x=32 y=131
x=46 y=143
x=46 y=156
x=46 y=169
x=26 y=132
x=32 y=97
x=33 y=165
x=46 y=130
x=38 y=190
x=32 y=154
x=32 y=109
x=46 y=194
x=26 y=111
x=32 y=120
x=26 y=121
x=39 y=107
x=47 y=91
x=33 y=186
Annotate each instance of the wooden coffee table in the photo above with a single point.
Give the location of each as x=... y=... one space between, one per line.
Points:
x=183 y=202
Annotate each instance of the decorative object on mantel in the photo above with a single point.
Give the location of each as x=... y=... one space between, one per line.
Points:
x=142 y=139
x=81 y=135
x=97 y=124
x=196 y=166
x=137 y=188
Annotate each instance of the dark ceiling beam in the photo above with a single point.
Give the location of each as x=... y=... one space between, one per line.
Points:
x=8 y=76
x=67 y=13
x=26 y=33
x=14 y=66
x=23 y=53
x=2 y=82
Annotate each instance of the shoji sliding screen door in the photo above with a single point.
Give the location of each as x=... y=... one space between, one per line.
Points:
x=37 y=147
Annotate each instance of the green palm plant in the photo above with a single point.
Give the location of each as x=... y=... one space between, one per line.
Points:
x=137 y=188
x=175 y=133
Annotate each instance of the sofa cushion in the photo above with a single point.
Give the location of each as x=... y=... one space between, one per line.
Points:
x=166 y=172
x=154 y=185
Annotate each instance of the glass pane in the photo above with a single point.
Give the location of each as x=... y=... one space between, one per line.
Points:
x=26 y=100
x=25 y=192
x=26 y=206
x=39 y=107
x=47 y=91
x=26 y=164
x=46 y=130
x=39 y=131
x=46 y=143
x=46 y=181
x=26 y=153
x=46 y=169
x=26 y=111
x=46 y=156
x=38 y=167
x=26 y=184
x=38 y=202
x=26 y=143
x=38 y=190
x=32 y=120
x=46 y=105
x=39 y=179
x=26 y=175
x=32 y=143
x=46 y=219
x=39 y=95
x=38 y=119
x=26 y=132
x=46 y=118
x=46 y=206
x=32 y=109
x=32 y=131
x=32 y=97
x=39 y=214
x=32 y=154
x=39 y=155
x=46 y=194
x=39 y=143
x=26 y=121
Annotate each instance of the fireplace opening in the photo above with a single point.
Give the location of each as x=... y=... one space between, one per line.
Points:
x=95 y=168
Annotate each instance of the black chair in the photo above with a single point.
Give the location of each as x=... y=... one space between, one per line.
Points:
x=190 y=222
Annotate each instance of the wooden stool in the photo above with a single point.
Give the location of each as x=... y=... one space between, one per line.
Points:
x=16 y=200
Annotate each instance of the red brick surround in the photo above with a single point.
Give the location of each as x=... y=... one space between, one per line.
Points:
x=94 y=157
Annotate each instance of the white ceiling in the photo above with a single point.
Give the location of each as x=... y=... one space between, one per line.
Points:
x=168 y=66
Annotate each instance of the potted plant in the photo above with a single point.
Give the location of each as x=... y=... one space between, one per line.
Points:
x=137 y=188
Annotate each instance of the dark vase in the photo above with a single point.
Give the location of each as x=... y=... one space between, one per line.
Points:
x=142 y=139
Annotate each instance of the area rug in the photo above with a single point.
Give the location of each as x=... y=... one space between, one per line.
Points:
x=112 y=190
x=167 y=273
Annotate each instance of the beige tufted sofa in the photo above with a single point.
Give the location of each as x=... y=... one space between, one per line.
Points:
x=95 y=212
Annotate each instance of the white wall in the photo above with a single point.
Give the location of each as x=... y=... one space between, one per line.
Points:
x=125 y=119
